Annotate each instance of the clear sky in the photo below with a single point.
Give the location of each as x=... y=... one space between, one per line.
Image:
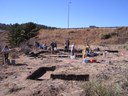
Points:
x=54 y=13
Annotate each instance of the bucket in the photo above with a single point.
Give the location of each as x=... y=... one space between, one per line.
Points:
x=86 y=61
x=73 y=57
x=93 y=60
x=13 y=62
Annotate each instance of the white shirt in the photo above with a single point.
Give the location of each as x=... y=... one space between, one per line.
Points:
x=72 y=47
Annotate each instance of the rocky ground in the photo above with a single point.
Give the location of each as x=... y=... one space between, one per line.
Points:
x=109 y=68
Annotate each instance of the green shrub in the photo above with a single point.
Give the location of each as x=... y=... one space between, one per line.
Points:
x=20 y=33
x=105 y=36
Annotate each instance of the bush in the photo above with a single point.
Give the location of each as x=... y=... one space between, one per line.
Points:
x=100 y=89
x=105 y=36
x=20 y=33
x=108 y=35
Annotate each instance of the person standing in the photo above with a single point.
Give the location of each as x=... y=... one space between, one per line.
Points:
x=73 y=49
x=55 y=46
x=5 y=52
x=37 y=45
x=52 y=47
x=45 y=46
x=67 y=43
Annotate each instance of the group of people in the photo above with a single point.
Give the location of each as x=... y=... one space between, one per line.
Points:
x=67 y=47
x=53 y=46
x=41 y=46
x=86 y=51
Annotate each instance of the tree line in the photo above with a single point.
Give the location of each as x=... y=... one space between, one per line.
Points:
x=19 y=33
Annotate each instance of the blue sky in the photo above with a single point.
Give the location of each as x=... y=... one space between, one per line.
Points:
x=83 y=13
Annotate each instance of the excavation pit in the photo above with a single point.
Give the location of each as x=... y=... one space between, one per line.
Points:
x=40 y=72
x=82 y=77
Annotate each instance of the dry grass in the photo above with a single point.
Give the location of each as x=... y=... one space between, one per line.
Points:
x=95 y=88
x=77 y=36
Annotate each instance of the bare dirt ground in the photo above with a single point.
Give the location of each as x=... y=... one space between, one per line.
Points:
x=111 y=68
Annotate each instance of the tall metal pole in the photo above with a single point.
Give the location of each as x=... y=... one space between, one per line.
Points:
x=68 y=12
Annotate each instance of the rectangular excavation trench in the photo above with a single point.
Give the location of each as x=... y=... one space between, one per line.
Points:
x=41 y=73
x=80 y=77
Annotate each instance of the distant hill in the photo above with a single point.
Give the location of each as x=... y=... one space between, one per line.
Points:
x=79 y=36
x=95 y=35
